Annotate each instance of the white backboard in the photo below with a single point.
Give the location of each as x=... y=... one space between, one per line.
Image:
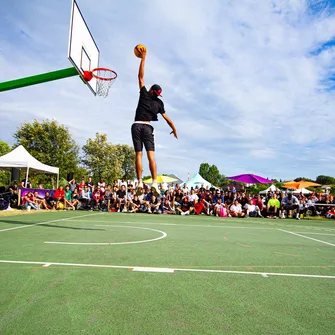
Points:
x=83 y=52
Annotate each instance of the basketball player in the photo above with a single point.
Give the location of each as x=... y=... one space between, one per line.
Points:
x=148 y=108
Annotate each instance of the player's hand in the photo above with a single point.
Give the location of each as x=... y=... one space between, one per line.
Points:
x=143 y=53
x=174 y=132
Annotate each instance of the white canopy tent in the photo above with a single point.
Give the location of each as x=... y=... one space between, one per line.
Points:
x=271 y=188
x=21 y=158
x=301 y=190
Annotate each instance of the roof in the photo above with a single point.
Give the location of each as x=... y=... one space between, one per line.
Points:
x=21 y=158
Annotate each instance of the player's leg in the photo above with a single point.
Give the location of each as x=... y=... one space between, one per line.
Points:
x=136 y=130
x=148 y=139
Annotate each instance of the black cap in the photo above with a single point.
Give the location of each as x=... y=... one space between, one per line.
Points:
x=157 y=89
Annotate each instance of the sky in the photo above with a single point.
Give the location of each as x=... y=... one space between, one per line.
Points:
x=249 y=84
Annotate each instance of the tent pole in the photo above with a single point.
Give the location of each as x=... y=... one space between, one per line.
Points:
x=27 y=173
x=57 y=180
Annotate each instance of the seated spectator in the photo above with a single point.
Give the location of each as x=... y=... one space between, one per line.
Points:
x=154 y=206
x=29 y=200
x=13 y=198
x=59 y=197
x=273 y=207
x=185 y=206
x=218 y=196
x=75 y=198
x=97 y=198
x=134 y=204
x=121 y=200
x=39 y=200
x=331 y=214
x=199 y=207
x=49 y=201
x=252 y=210
x=236 y=209
x=290 y=203
x=68 y=197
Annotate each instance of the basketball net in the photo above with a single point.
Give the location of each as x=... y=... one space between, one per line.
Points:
x=105 y=79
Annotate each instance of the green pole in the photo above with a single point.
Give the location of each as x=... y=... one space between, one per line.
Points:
x=38 y=79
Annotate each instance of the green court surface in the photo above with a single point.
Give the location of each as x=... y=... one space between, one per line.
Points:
x=110 y=273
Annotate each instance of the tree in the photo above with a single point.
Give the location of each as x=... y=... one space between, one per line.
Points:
x=4 y=175
x=101 y=158
x=211 y=173
x=50 y=143
x=325 y=180
x=303 y=178
x=126 y=156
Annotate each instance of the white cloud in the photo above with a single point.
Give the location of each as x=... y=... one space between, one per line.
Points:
x=239 y=80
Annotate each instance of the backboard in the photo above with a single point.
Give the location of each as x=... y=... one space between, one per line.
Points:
x=83 y=52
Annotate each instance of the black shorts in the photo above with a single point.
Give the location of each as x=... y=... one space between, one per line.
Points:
x=143 y=134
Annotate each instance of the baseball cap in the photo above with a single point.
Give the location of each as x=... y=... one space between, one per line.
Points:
x=157 y=89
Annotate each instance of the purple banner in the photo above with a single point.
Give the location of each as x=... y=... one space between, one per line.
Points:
x=41 y=192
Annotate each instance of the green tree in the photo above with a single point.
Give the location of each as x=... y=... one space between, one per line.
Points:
x=325 y=180
x=211 y=173
x=303 y=178
x=126 y=156
x=101 y=159
x=50 y=143
x=4 y=175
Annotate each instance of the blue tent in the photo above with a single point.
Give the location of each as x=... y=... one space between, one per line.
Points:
x=197 y=180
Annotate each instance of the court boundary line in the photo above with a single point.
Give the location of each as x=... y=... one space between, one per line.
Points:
x=310 y=238
x=45 y=222
x=264 y=274
x=164 y=234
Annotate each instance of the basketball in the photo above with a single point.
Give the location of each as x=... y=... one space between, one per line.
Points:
x=139 y=49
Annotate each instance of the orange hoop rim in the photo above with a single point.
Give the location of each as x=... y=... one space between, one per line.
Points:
x=103 y=69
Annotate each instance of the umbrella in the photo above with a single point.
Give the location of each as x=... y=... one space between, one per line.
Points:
x=250 y=179
x=300 y=184
x=161 y=179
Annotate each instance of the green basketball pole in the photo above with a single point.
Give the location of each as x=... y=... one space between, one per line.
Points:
x=38 y=79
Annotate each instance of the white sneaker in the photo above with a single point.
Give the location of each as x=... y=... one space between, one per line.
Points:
x=155 y=190
x=139 y=189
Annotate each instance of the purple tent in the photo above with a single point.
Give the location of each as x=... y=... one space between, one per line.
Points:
x=250 y=179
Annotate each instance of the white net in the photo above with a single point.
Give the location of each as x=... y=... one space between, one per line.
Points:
x=103 y=85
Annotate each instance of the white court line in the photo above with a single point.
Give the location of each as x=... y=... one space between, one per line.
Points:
x=310 y=238
x=309 y=233
x=41 y=223
x=117 y=243
x=175 y=224
x=263 y=274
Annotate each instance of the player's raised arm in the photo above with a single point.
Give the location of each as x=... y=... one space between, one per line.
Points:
x=141 y=69
x=170 y=123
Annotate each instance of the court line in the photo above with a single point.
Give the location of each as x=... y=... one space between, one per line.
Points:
x=170 y=269
x=46 y=222
x=310 y=238
x=309 y=233
x=115 y=243
x=176 y=224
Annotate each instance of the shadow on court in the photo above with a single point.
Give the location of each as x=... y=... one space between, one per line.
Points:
x=47 y=225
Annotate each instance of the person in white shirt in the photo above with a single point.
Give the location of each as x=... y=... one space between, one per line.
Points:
x=236 y=209
x=252 y=210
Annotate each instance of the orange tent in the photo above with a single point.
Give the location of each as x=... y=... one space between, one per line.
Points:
x=300 y=184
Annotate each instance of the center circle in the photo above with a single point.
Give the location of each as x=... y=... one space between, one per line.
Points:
x=163 y=235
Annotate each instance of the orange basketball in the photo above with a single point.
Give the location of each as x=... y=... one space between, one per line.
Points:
x=139 y=49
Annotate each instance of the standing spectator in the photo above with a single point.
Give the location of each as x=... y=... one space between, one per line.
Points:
x=82 y=185
x=102 y=185
x=90 y=184
x=23 y=183
x=72 y=184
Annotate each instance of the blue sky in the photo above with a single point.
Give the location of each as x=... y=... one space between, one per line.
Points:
x=249 y=84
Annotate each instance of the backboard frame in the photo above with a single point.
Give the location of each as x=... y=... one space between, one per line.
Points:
x=78 y=51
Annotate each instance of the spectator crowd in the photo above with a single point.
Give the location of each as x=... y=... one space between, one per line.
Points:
x=173 y=199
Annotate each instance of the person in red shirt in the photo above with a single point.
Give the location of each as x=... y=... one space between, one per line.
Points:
x=97 y=197
x=82 y=184
x=59 y=195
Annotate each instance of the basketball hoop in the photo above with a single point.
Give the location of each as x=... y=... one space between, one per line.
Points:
x=105 y=79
